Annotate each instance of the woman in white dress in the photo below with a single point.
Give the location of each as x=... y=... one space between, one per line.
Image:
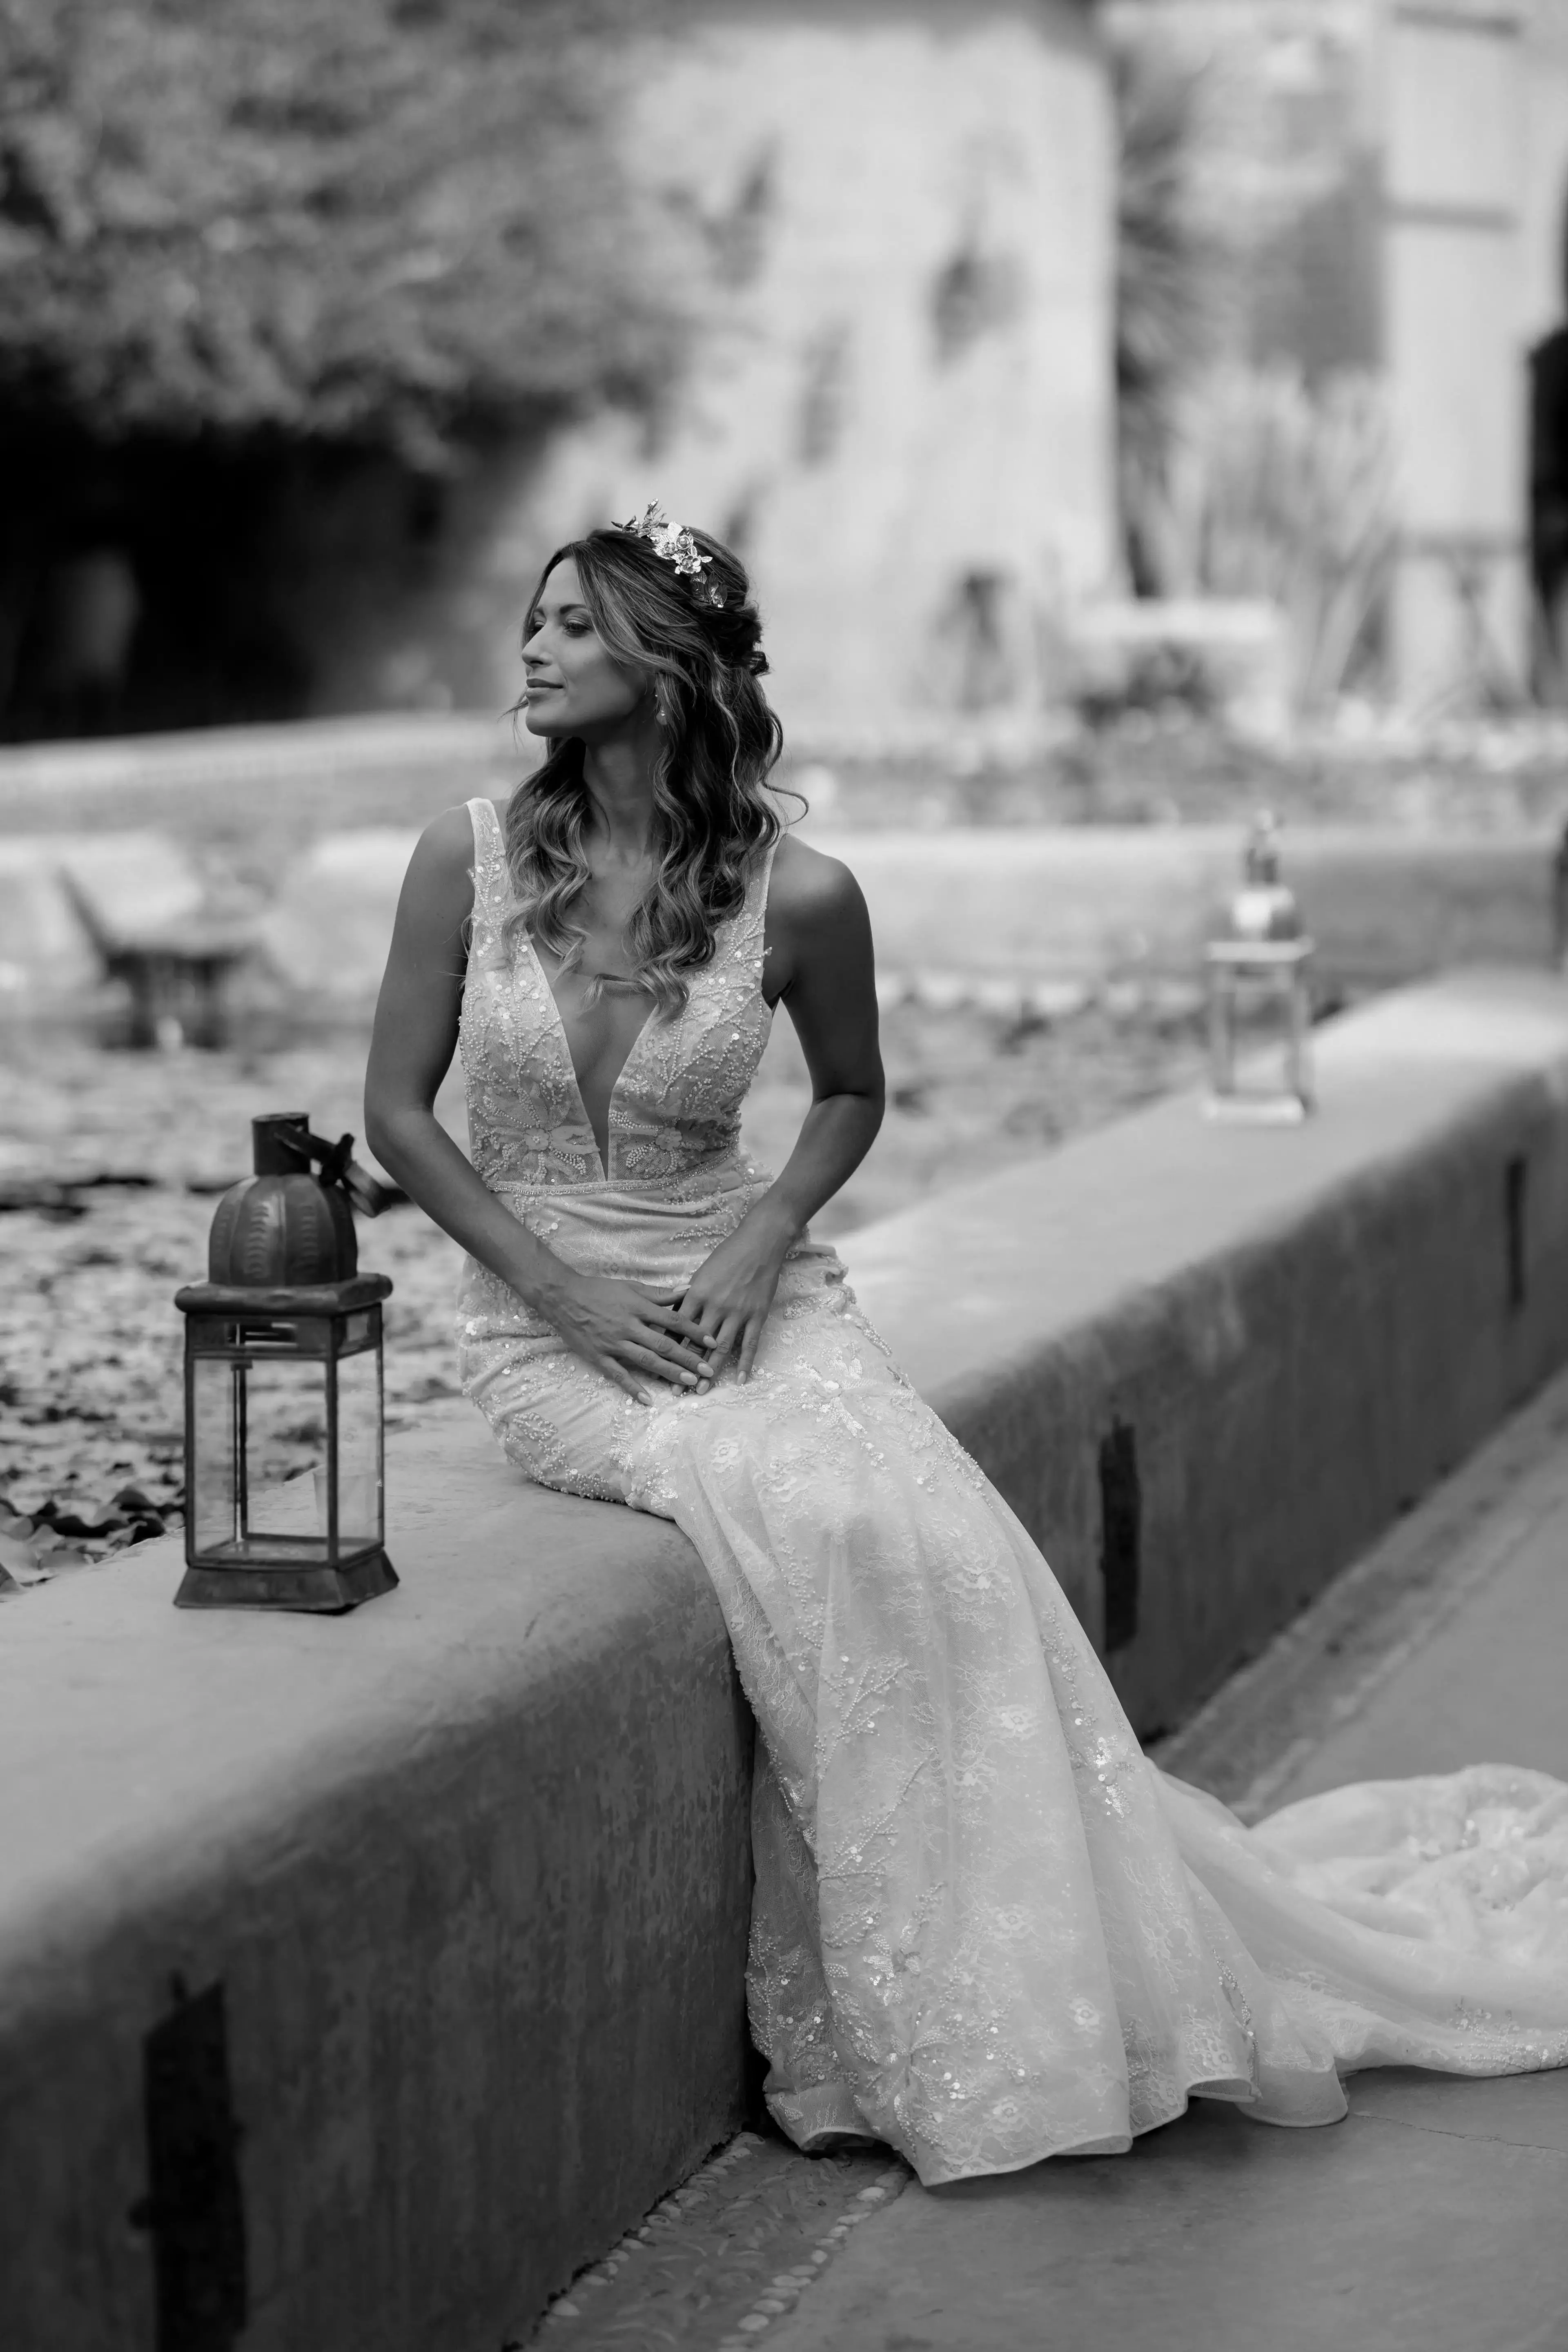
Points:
x=986 y=1931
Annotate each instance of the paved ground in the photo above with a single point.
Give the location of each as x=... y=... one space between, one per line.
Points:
x=1431 y=2220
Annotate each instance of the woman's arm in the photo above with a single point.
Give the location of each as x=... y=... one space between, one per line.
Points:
x=628 y=1332
x=820 y=959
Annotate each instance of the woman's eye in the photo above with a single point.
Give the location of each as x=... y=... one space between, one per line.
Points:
x=575 y=628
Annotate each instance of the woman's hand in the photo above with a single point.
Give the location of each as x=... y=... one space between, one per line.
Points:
x=627 y=1331
x=728 y=1298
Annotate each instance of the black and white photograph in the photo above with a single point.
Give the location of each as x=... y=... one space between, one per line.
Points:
x=784 y=1175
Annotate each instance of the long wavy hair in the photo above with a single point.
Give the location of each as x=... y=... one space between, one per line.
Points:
x=718 y=740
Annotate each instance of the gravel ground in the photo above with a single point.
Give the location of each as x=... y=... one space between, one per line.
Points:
x=130 y=1149
x=90 y=1387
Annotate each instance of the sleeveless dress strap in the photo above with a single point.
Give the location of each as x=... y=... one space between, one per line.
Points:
x=491 y=878
x=750 y=924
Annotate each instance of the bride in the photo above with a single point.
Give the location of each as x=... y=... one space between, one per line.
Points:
x=987 y=1929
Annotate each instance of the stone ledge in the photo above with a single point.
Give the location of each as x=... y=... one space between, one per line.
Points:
x=1302 y=1329
x=471 y=1866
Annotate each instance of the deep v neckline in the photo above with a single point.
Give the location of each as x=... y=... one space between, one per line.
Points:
x=604 y=1156
x=673 y=1104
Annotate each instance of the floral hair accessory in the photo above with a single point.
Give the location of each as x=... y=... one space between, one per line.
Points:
x=676 y=545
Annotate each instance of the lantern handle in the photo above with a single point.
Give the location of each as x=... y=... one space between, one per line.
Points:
x=284 y=1145
x=338 y=1166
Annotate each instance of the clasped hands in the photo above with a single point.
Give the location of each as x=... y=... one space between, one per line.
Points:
x=632 y=1332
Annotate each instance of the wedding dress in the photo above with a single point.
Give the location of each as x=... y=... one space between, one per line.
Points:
x=986 y=1929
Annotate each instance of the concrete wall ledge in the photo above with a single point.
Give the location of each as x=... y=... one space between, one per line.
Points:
x=1277 y=1338
x=470 y=1866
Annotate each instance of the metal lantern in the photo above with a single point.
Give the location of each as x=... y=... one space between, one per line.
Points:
x=1261 y=958
x=283 y=1341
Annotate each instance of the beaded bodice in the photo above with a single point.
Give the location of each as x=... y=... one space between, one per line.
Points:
x=675 y=1112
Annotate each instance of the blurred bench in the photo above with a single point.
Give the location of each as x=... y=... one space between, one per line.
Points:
x=176 y=970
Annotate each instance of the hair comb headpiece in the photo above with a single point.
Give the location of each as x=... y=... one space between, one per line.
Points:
x=675 y=544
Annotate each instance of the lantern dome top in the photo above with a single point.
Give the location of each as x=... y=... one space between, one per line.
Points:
x=284 y=1226
x=1264 y=910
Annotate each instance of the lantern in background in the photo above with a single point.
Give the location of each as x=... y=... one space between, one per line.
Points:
x=1262 y=960
x=283 y=1343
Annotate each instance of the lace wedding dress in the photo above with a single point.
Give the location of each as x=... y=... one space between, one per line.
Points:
x=987 y=1929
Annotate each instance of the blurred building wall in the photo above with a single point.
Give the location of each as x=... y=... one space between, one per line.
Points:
x=1409 y=163
x=1453 y=81
x=1545 y=177
x=900 y=406
x=1475 y=106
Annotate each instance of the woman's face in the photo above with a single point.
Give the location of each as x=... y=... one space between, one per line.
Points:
x=573 y=687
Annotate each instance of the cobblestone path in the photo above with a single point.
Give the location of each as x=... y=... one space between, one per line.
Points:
x=715 y=2264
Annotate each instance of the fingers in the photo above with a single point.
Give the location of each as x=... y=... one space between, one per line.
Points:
x=668 y=1311
x=751 y=1342
x=623 y=1379
x=730 y=1331
x=685 y=1335
x=689 y=1344
x=709 y=1362
x=680 y=1323
x=679 y=1330
x=663 y=1367
x=691 y=1360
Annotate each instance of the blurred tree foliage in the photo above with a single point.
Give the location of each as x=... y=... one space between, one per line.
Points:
x=384 y=221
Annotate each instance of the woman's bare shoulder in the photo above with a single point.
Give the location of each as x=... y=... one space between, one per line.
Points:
x=809 y=887
x=441 y=870
x=447 y=841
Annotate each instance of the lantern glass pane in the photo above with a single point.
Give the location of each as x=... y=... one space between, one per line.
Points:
x=1267 y=1038
x=285 y=1431
x=1259 y=1050
x=212 y=1471
x=361 y=1331
x=359 y=1451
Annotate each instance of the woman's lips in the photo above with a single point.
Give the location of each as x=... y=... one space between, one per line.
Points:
x=537 y=686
